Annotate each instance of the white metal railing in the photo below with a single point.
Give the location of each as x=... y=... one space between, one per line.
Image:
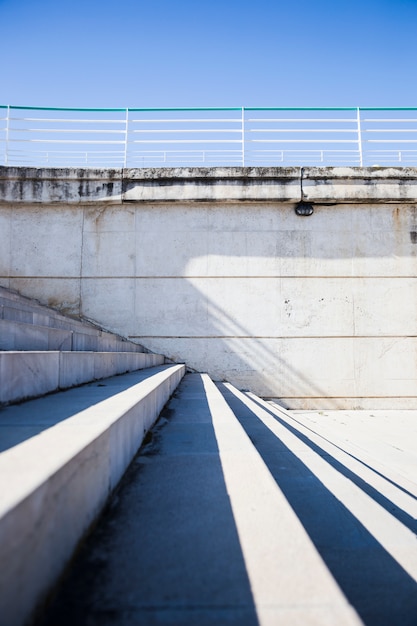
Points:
x=58 y=137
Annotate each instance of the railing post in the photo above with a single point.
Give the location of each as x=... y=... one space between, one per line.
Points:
x=6 y=155
x=358 y=115
x=243 y=136
x=126 y=137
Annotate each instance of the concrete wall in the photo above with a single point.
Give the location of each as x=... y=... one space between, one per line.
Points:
x=214 y=268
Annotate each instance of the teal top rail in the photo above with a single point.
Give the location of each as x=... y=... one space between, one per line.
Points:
x=120 y=109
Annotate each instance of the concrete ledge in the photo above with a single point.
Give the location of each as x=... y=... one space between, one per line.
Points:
x=217 y=184
x=72 y=186
x=371 y=185
x=54 y=485
x=30 y=374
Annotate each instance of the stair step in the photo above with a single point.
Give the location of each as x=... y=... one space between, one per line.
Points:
x=14 y=306
x=30 y=374
x=200 y=533
x=54 y=485
x=20 y=335
x=28 y=325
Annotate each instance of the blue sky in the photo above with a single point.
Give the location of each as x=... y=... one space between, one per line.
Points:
x=134 y=53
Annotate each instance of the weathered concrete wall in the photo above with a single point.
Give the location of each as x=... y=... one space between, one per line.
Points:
x=214 y=268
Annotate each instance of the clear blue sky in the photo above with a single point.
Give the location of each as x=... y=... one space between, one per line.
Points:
x=102 y=53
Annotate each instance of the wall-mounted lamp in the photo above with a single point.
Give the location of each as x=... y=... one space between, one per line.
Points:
x=304 y=208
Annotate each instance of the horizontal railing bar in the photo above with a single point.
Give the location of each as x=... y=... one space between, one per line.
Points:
x=351 y=120
x=346 y=151
x=68 y=130
x=185 y=141
x=46 y=119
x=214 y=120
x=40 y=150
x=376 y=120
x=187 y=130
x=301 y=130
x=403 y=150
x=390 y=130
x=65 y=141
x=184 y=152
x=391 y=141
x=302 y=141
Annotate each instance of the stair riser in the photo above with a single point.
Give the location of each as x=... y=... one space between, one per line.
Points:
x=26 y=375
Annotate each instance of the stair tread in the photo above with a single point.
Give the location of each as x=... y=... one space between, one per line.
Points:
x=19 y=422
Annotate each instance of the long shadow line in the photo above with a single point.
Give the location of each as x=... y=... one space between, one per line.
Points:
x=381 y=591
x=352 y=456
x=402 y=516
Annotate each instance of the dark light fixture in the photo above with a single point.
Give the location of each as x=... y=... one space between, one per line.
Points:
x=304 y=208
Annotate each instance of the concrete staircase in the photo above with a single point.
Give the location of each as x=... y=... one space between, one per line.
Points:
x=239 y=512
x=63 y=453
x=234 y=511
x=42 y=350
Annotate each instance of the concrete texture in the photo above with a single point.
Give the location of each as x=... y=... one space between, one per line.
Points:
x=50 y=185
x=199 y=533
x=211 y=266
x=27 y=375
x=317 y=184
x=54 y=484
x=21 y=336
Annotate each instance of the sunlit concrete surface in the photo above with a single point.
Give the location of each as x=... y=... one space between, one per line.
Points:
x=240 y=512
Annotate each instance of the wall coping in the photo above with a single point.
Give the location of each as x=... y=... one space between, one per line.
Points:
x=332 y=185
